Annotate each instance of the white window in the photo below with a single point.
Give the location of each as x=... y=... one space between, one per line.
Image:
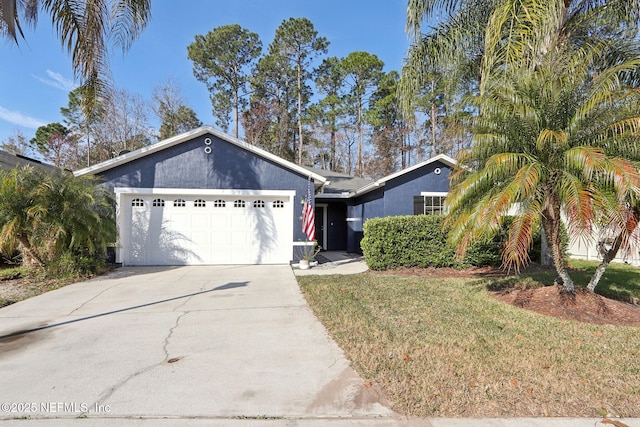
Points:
x=199 y=203
x=430 y=204
x=179 y=203
x=258 y=204
x=278 y=204
x=137 y=202
x=239 y=204
x=219 y=204
x=158 y=203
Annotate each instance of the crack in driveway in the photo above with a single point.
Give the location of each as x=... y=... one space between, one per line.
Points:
x=93 y=298
x=102 y=399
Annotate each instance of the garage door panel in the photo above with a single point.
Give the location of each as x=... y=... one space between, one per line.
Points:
x=139 y=248
x=171 y=246
x=211 y=230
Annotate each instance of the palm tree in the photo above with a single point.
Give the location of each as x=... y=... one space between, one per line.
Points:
x=84 y=27
x=555 y=113
x=16 y=197
x=73 y=214
x=546 y=140
x=48 y=214
x=473 y=29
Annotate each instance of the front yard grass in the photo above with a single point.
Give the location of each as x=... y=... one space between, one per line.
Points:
x=444 y=347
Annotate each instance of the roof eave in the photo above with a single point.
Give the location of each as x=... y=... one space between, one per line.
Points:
x=346 y=195
x=443 y=158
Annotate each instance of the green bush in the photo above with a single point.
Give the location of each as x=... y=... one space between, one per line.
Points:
x=69 y=264
x=406 y=241
x=419 y=241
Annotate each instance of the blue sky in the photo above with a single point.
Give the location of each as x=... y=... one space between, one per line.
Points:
x=36 y=75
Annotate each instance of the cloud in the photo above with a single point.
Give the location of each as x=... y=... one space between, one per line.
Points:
x=58 y=81
x=17 y=118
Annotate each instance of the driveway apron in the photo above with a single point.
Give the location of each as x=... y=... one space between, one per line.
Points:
x=206 y=341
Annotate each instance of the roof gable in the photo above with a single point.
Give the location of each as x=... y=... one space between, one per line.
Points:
x=442 y=158
x=188 y=136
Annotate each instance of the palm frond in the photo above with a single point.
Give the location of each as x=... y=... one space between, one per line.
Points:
x=515 y=253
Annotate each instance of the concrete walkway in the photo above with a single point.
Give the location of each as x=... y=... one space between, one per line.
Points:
x=335 y=262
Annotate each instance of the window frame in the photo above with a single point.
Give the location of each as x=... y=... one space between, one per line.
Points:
x=432 y=208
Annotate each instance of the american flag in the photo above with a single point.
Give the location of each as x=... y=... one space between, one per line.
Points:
x=308 y=216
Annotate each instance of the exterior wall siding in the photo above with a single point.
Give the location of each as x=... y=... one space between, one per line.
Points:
x=395 y=198
x=229 y=167
x=187 y=166
x=399 y=192
x=369 y=205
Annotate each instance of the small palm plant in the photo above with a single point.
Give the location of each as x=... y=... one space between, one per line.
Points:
x=48 y=214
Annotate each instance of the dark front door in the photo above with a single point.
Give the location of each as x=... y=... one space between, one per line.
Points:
x=319 y=212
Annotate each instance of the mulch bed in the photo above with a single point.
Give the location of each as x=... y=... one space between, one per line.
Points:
x=581 y=306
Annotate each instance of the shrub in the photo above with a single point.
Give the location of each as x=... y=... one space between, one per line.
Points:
x=407 y=241
x=419 y=241
x=69 y=265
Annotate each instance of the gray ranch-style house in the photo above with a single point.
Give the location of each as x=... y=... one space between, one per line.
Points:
x=204 y=197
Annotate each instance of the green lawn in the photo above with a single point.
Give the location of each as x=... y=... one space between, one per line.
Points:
x=445 y=347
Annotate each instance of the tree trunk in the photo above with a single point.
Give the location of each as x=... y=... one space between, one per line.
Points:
x=630 y=226
x=551 y=222
x=332 y=149
x=30 y=254
x=433 y=120
x=545 y=257
x=300 y=143
x=359 y=155
x=236 y=102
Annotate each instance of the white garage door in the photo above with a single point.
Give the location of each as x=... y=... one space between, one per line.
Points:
x=183 y=229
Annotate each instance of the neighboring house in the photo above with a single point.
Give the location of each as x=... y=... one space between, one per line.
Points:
x=9 y=161
x=204 y=197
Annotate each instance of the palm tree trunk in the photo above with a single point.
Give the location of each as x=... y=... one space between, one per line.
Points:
x=551 y=223
x=28 y=251
x=630 y=226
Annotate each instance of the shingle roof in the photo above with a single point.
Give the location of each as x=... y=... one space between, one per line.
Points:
x=342 y=185
x=339 y=183
x=9 y=161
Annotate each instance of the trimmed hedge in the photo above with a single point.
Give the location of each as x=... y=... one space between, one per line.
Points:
x=420 y=241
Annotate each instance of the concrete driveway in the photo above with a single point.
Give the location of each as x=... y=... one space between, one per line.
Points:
x=219 y=343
